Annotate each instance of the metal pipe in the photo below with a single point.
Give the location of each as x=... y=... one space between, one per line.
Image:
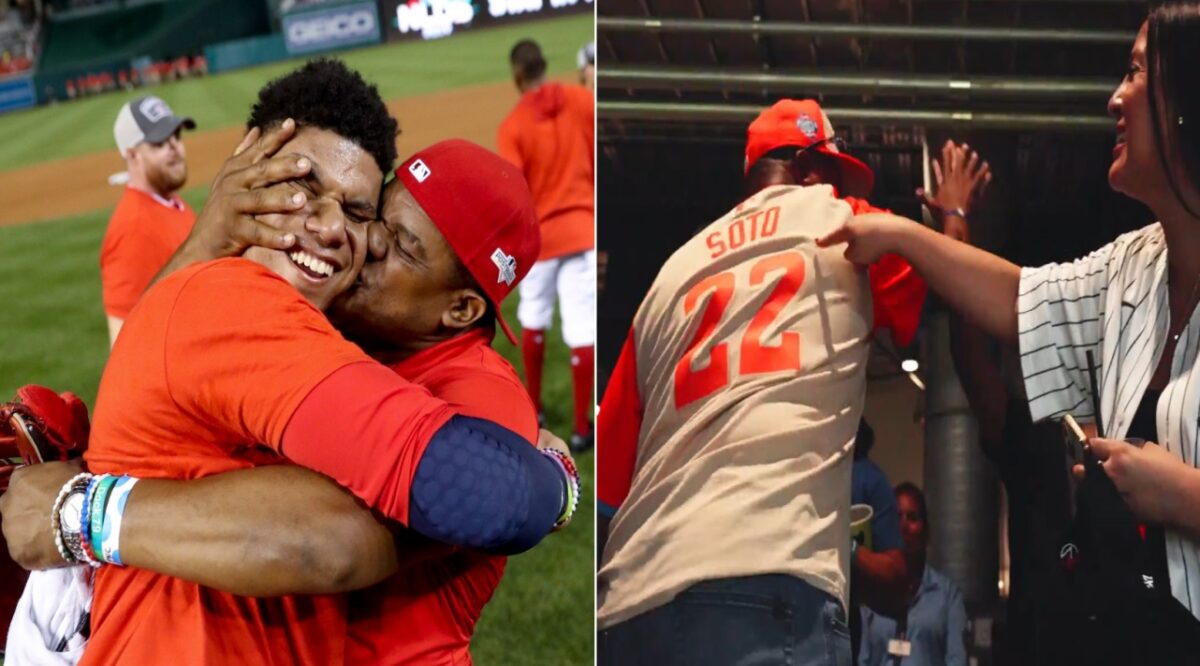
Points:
x=816 y=29
x=643 y=78
x=960 y=484
x=740 y=113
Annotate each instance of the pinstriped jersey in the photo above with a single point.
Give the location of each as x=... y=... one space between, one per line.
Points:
x=726 y=435
x=1114 y=302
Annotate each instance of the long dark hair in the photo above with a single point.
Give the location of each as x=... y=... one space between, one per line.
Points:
x=1172 y=50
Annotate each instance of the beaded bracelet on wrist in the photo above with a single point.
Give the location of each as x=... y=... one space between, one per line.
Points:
x=571 y=488
x=83 y=548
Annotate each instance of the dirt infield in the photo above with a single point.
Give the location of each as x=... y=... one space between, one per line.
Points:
x=80 y=184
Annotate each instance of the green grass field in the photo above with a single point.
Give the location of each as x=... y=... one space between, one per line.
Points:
x=399 y=70
x=53 y=326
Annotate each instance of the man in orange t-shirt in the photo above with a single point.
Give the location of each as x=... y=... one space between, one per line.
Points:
x=150 y=221
x=550 y=135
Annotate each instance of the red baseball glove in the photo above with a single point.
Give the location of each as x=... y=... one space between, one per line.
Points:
x=41 y=425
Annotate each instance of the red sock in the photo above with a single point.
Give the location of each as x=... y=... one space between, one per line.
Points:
x=533 y=352
x=582 y=373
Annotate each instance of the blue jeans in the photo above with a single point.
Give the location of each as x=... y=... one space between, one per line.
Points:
x=769 y=620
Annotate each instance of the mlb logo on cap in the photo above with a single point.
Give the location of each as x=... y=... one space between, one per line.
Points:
x=807 y=125
x=419 y=171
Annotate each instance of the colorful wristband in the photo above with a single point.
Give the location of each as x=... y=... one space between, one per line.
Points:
x=83 y=551
x=96 y=523
x=114 y=513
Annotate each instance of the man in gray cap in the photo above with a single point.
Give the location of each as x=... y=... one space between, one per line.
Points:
x=150 y=221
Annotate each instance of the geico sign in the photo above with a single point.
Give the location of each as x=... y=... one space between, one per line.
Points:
x=433 y=18
x=359 y=23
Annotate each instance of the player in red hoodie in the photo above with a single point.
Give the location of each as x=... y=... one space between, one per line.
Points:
x=550 y=135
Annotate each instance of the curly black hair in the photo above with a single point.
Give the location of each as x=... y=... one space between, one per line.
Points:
x=327 y=94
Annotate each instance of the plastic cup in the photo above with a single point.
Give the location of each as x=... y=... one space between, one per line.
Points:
x=860 y=524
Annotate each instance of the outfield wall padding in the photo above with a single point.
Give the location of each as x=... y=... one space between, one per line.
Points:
x=163 y=30
x=247 y=52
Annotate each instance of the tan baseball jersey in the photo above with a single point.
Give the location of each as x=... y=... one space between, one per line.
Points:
x=726 y=433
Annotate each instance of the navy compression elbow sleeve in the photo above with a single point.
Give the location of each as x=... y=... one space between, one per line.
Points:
x=482 y=486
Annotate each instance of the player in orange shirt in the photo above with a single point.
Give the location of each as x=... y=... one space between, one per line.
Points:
x=550 y=135
x=150 y=221
x=280 y=383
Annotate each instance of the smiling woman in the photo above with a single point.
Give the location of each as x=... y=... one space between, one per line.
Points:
x=1133 y=305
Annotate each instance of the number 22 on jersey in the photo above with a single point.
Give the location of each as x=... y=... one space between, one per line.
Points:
x=755 y=358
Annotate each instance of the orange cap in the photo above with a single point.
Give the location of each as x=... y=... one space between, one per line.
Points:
x=801 y=123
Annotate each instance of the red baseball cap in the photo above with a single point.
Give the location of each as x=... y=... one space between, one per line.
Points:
x=802 y=123
x=483 y=207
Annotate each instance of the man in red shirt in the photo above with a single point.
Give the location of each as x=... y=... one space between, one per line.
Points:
x=150 y=221
x=273 y=373
x=550 y=135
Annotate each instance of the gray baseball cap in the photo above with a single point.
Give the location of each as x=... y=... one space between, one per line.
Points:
x=586 y=55
x=146 y=119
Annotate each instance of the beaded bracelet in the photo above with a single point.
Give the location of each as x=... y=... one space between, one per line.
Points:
x=82 y=549
x=79 y=546
x=70 y=487
x=571 y=488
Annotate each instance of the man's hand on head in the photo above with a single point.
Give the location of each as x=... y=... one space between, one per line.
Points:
x=247 y=185
x=25 y=508
x=253 y=182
